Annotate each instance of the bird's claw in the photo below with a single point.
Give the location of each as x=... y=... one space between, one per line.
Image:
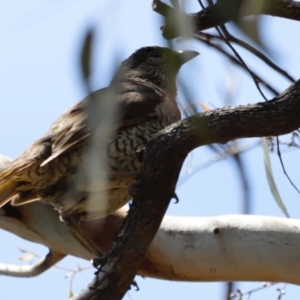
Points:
x=134 y=284
x=176 y=198
x=97 y=262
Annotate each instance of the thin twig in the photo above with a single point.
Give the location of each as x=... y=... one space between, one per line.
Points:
x=254 y=51
x=234 y=60
x=283 y=167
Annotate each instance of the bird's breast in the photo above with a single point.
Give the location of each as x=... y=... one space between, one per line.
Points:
x=121 y=151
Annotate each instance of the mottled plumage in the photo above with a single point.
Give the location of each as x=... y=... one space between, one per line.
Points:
x=144 y=91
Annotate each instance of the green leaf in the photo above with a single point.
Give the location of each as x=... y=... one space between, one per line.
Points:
x=270 y=178
x=86 y=53
x=251 y=27
x=29 y=256
x=71 y=294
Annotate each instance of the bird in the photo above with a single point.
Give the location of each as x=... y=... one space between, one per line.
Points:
x=144 y=92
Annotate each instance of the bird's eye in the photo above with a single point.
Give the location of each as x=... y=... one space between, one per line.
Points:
x=154 y=54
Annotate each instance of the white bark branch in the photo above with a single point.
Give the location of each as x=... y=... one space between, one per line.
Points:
x=31 y=270
x=227 y=248
x=223 y=248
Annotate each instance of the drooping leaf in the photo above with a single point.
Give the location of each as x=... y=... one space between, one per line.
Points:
x=271 y=179
x=86 y=53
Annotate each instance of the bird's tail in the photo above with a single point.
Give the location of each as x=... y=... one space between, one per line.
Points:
x=7 y=190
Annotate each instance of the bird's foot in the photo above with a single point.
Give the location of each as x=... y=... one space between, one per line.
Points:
x=83 y=238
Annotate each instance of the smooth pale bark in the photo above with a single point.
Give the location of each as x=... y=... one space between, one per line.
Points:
x=227 y=248
x=168 y=150
x=223 y=248
x=33 y=269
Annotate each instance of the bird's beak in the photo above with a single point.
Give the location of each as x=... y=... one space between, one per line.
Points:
x=186 y=55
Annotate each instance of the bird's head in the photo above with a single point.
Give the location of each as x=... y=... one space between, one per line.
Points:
x=155 y=65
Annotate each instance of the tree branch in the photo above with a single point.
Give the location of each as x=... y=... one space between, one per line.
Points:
x=32 y=270
x=223 y=11
x=189 y=249
x=162 y=162
x=227 y=248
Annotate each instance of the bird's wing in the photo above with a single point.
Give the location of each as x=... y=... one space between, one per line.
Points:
x=33 y=155
x=135 y=100
x=37 y=152
x=135 y=103
x=69 y=131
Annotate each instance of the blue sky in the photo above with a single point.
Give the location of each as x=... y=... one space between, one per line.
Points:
x=40 y=78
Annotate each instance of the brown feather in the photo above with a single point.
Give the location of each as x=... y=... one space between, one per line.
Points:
x=144 y=90
x=24 y=198
x=7 y=190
